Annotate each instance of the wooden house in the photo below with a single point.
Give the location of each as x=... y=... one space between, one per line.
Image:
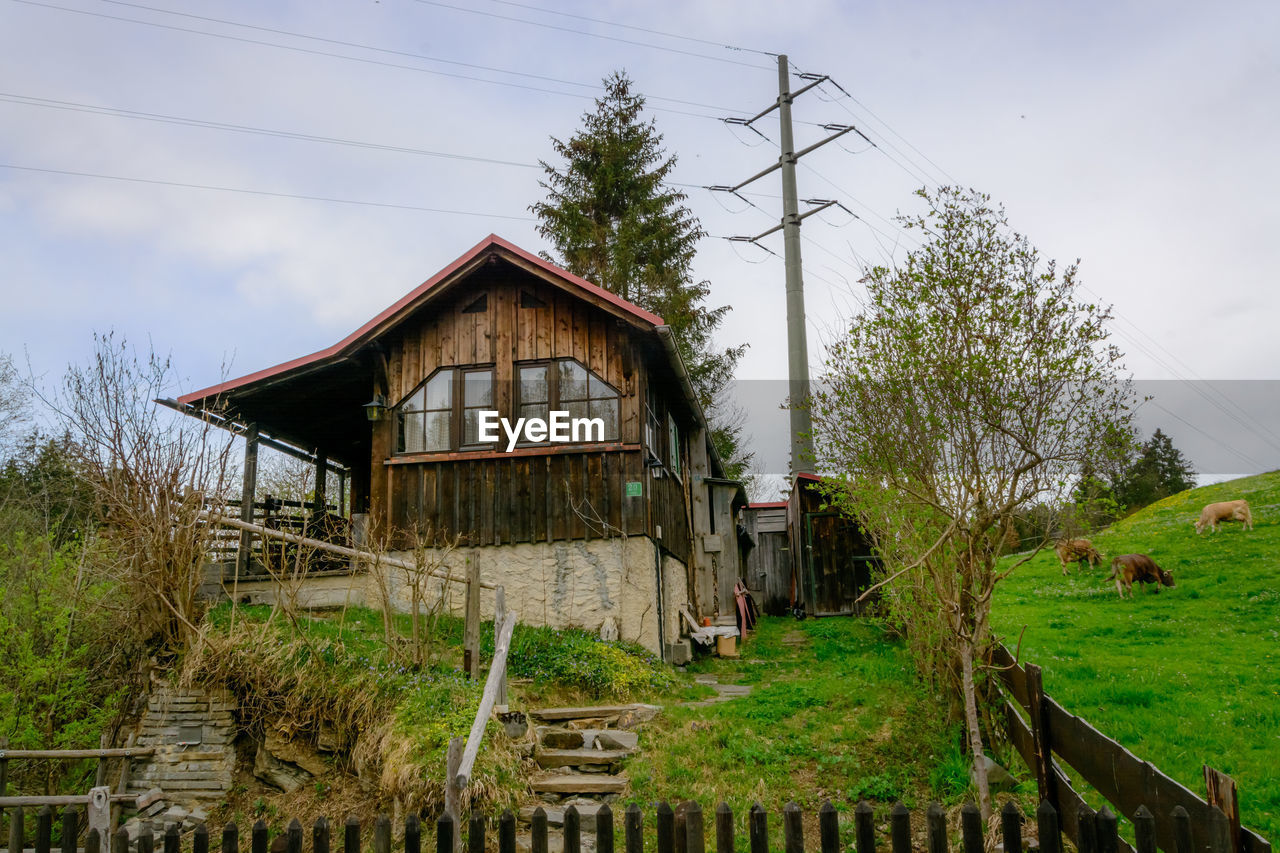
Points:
x=614 y=529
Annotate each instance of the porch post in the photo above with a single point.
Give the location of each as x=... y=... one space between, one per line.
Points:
x=322 y=471
x=248 y=491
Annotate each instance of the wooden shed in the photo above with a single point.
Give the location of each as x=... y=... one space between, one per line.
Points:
x=831 y=558
x=767 y=573
x=615 y=529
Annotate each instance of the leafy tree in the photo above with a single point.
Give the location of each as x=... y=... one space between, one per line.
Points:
x=615 y=221
x=973 y=388
x=1158 y=470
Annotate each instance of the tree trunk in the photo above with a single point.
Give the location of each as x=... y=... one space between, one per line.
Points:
x=975 y=732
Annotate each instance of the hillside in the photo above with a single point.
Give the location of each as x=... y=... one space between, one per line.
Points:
x=1186 y=677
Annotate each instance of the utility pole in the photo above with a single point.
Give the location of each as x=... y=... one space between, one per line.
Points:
x=797 y=337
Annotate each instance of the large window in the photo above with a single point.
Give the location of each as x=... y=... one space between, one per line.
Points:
x=443 y=413
x=566 y=385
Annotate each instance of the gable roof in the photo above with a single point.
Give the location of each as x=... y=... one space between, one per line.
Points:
x=428 y=290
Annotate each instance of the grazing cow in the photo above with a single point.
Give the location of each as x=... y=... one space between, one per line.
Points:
x=1128 y=568
x=1075 y=550
x=1215 y=514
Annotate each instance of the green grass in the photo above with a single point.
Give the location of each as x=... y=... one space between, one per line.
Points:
x=1183 y=678
x=835 y=712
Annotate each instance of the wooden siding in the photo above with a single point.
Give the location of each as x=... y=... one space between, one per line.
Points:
x=499 y=500
x=670 y=512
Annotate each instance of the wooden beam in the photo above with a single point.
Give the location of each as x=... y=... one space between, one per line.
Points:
x=497 y=671
x=248 y=491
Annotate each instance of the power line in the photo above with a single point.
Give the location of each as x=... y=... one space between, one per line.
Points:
x=370 y=61
x=184 y=121
x=709 y=42
x=595 y=35
x=244 y=191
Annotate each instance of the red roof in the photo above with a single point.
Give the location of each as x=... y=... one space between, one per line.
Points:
x=357 y=337
x=767 y=505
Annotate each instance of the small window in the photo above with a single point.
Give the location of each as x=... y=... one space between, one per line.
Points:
x=673 y=445
x=479 y=306
x=528 y=300
x=477 y=395
x=566 y=385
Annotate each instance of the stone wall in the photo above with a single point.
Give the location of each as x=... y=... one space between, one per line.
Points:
x=194 y=773
x=606 y=586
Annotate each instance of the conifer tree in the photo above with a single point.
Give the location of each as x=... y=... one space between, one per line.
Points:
x=1159 y=470
x=614 y=220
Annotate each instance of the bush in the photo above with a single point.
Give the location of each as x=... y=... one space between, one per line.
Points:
x=576 y=658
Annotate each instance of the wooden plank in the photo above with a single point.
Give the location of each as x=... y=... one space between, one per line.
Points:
x=448 y=337
x=1221 y=789
x=576 y=500
x=574 y=757
x=581 y=332
x=562 y=337
x=412 y=345
x=466 y=326
x=75 y=754
x=579 y=783
x=521 y=472
x=596 y=357
x=486 y=352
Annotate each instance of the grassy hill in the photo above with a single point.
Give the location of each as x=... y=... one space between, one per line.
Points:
x=1183 y=678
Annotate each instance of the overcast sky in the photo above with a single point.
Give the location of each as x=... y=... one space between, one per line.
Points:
x=1139 y=137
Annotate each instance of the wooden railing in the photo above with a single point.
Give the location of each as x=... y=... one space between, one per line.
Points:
x=1123 y=779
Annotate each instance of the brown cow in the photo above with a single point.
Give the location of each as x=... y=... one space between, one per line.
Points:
x=1128 y=568
x=1215 y=514
x=1075 y=550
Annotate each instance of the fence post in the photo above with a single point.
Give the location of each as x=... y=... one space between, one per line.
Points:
x=475 y=834
x=679 y=828
x=1087 y=830
x=500 y=616
x=445 y=833
x=1181 y=830
x=120 y=841
x=351 y=835
x=666 y=821
x=71 y=829
x=634 y=822
x=792 y=828
x=1048 y=828
x=604 y=829
x=829 y=828
x=758 y=828
x=1221 y=790
x=935 y=828
x=1219 y=831
x=98 y=814
x=900 y=828
x=1011 y=828
x=44 y=829
x=230 y=838
x=93 y=842
x=538 y=831
x=412 y=835
x=320 y=835
x=452 y=796
x=259 y=841
x=1108 y=831
x=471 y=626
x=292 y=837
x=506 y=833
x=572 y=830
x=724 y=828
x=172 y=840
x=1041 y=737
x=100 y=777
x=695 y=840
x=199 y=840
x=864 y=827
x=1144 y=831
x=16 y=818
x=382 y=834
x=4 y=766
x=970 y=828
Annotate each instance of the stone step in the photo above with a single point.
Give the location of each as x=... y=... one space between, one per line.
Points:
x=578 y=783
x=575 y=757
x=587 y=811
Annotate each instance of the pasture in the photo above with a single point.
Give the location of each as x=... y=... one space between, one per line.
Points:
x=1186 y=677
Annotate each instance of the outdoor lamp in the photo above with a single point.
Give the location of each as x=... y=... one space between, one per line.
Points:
x=375 y=407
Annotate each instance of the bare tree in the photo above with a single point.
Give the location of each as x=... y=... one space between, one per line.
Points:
x=152 y=473
x=975 y=384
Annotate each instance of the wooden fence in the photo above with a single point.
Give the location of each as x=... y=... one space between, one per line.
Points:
x=1048 y=730
x=679 y=830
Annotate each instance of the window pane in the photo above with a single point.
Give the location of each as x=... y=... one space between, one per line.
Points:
x=440 y=391
x=606 y=410
x=534 y=410
x=411 y=433
x=414 y=402
x=437 y=430
x=477 y=388
x=600 y=388
x=576 y=409
x=471 y=426
x=533 y=384
x=573 y=381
